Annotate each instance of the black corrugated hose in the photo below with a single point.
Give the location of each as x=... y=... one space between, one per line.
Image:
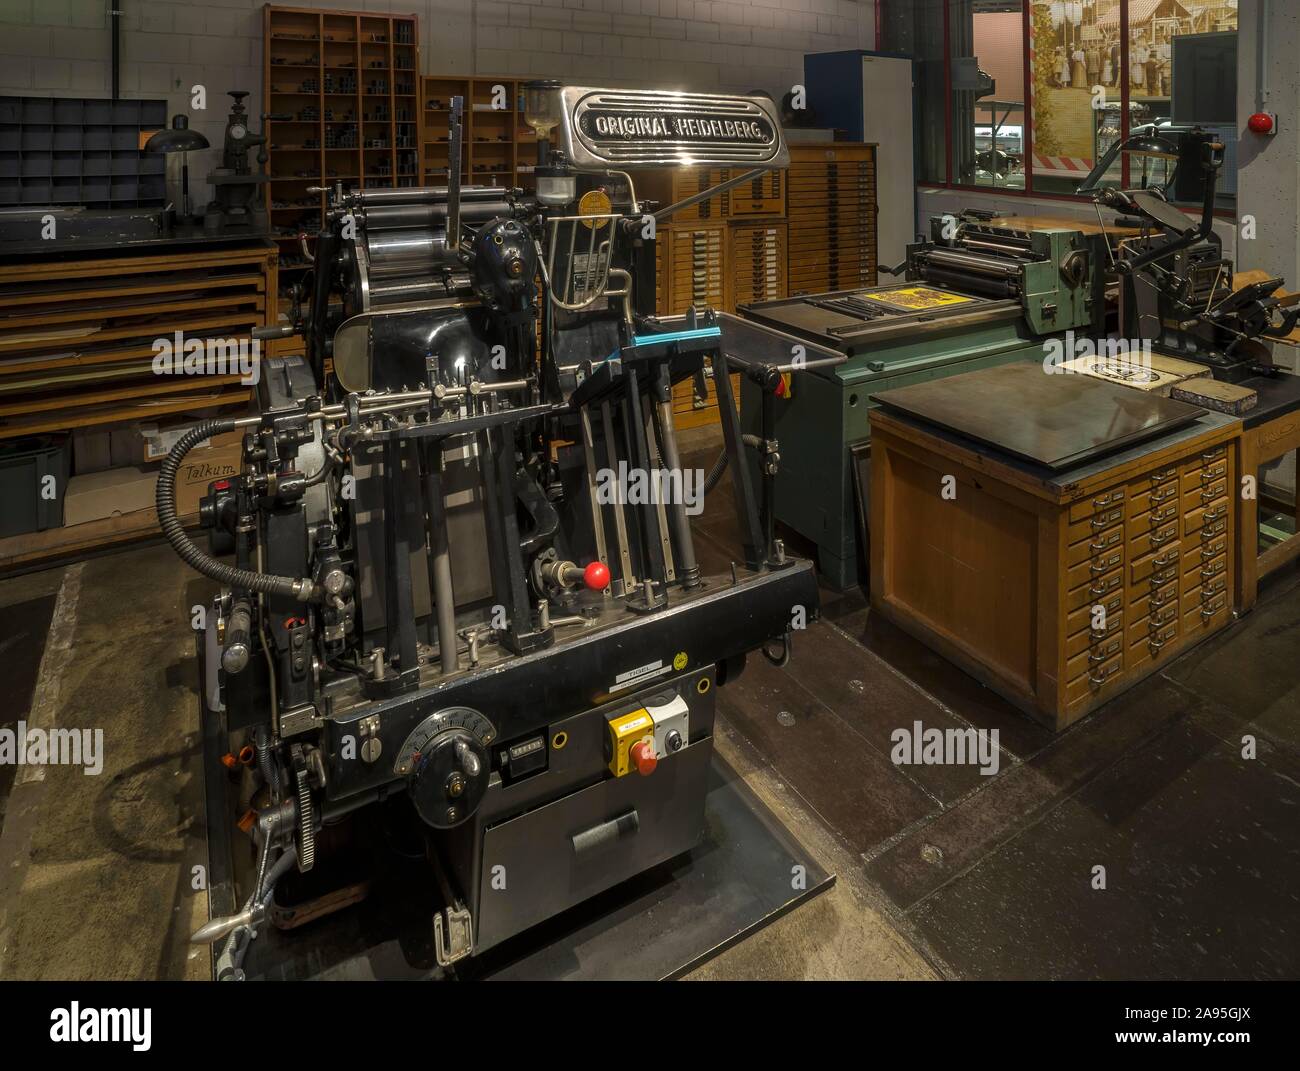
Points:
x=181 y=543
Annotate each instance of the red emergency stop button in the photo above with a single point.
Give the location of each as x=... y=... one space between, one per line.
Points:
x=643 y=757
x=596 y=576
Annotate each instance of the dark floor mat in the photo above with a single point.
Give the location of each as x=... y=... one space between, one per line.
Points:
x=1200 y=846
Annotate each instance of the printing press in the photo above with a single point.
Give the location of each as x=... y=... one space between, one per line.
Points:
x=446 y=606
x=975 y=295
x=1176 y=286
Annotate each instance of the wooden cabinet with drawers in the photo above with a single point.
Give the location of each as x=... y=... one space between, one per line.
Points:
x=831 y=208
x=692 y=262
x=1058 y=592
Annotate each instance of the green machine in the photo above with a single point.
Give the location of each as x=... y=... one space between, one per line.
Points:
x=975 y=295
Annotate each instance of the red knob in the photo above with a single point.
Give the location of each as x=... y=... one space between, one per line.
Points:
x=1261 y=123
x=596 y=576
x=643 y=757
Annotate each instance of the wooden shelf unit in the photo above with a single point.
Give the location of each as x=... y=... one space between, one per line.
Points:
x=497 y=147
x=350 y=79
x=77 y=337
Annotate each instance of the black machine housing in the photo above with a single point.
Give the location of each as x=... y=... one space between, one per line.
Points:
x=446 y=598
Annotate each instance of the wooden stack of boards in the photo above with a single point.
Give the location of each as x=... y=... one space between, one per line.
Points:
x=79 y=338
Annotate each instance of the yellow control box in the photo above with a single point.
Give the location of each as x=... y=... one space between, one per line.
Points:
x=624 y=731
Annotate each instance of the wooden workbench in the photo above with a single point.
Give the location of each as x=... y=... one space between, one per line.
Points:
x=1057 y=591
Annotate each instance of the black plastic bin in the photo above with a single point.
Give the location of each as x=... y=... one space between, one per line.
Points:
x=25 y=465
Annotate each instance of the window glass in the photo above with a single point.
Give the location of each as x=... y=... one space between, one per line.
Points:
x=1154 y=27
x=1075 y=61
x=987 y=45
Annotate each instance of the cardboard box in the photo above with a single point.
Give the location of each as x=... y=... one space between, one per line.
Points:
x=91 y=451
x=157 y=441
x=201 y=467
x=110 y=493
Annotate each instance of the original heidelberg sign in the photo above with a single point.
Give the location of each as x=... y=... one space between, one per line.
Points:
x=601 y=125
x=652 y=127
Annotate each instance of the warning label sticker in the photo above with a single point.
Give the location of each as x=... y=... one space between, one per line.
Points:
x=632 y=677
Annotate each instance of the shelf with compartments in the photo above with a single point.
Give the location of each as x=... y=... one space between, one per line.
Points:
x=73 y=151
x=347 y=83
x=497 y=147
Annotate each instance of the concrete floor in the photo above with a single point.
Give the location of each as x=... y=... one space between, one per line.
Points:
x=97 y=872
x=941 y=873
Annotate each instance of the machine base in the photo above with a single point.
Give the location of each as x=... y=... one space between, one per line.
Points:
x=747 y=871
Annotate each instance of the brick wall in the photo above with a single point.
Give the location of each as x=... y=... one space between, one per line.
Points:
x=62 y=48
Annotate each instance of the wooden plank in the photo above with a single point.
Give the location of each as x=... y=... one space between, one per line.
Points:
x=135 y=331
x=55 y=543
x=113 y=312
x=87 y=418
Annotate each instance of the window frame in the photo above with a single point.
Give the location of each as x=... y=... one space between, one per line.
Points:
x=1026 y=29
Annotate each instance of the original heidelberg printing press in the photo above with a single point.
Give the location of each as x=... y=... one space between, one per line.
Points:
x=436 y=607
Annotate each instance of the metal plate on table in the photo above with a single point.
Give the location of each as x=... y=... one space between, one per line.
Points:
x=1053 y=420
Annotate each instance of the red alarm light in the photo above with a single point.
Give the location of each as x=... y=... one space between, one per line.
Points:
x=1263 y=123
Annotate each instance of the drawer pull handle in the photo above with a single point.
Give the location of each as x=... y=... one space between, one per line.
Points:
x=1211 y=572
x=1208 y=612
x=605 y=833
x=1158 y=540
x=1155 y=644
x=1213 y=474
x=1168 y=559
x=1210 y=455
x=1208 y=495
x=1097 y=682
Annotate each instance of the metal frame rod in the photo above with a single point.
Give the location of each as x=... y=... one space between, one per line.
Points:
x=712 y=191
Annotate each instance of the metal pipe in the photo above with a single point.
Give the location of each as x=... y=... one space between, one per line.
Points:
x=688 y=569
x=712 y=191
x=422 y=194
x=453 y=173
x=115 y=11
x=444 y=599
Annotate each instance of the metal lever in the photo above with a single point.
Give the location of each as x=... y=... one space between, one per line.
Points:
x=453 y=172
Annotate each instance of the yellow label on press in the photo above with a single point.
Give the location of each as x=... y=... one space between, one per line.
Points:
x=625 y=731
x=680 y=660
